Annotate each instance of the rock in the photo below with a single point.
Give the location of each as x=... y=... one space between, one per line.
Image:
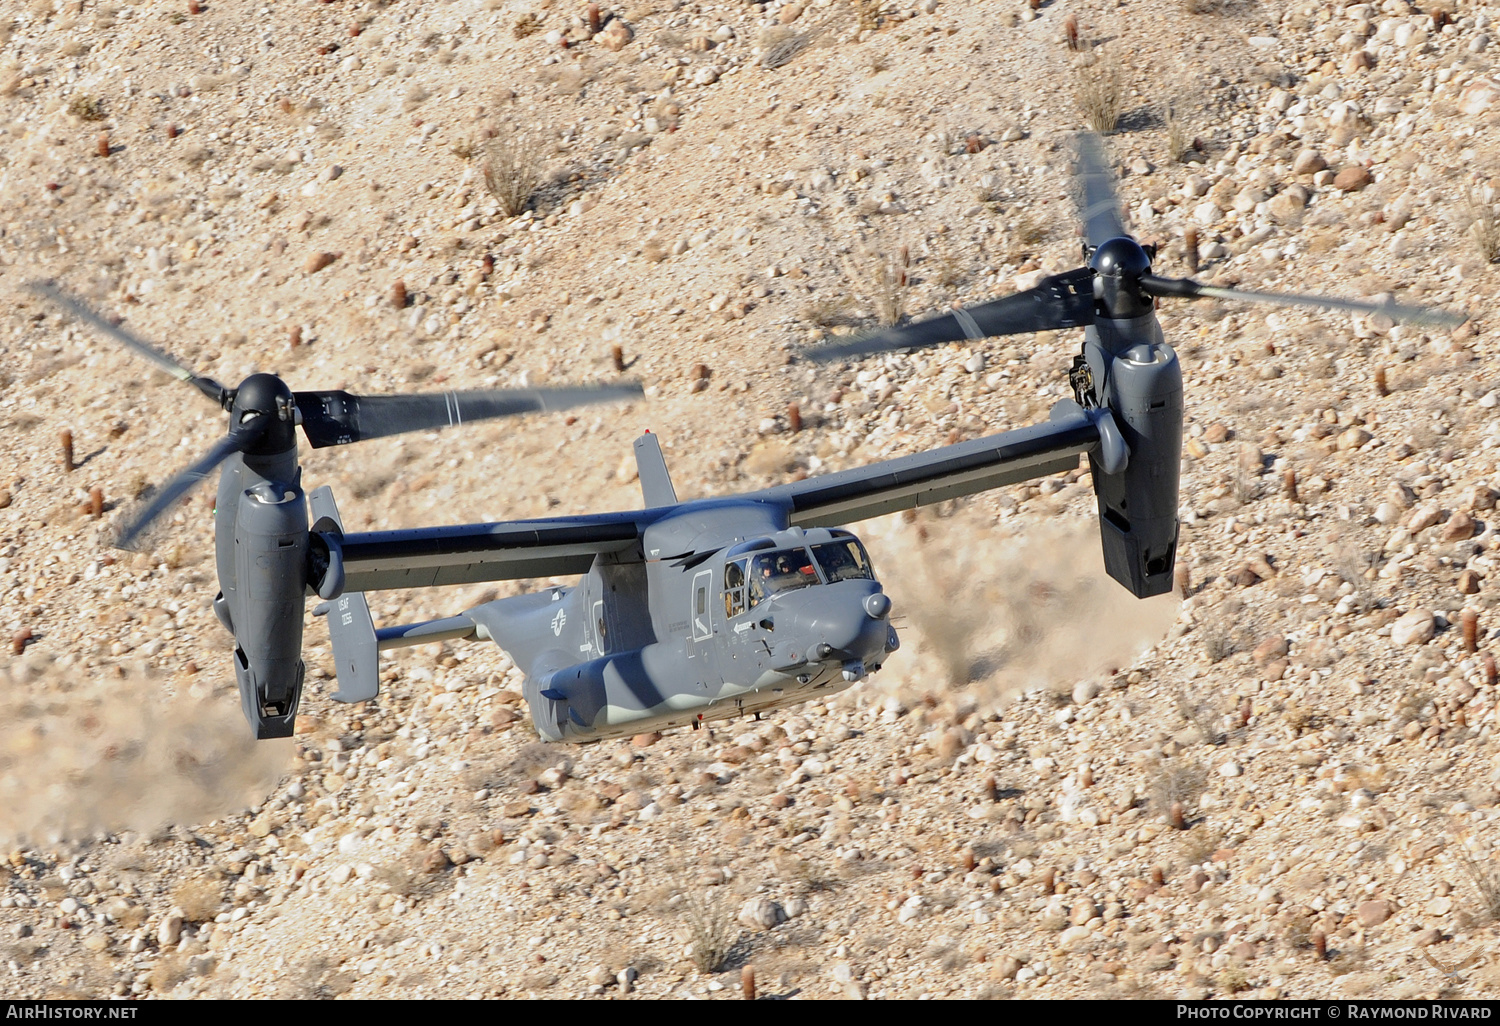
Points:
x=1216 y=433
x=1479 y=96
x=170 y=931
x=1373 y=913
x=1082 y=912
x=1429 y=937
x=1424 y=516
x=1359 y=60
x=761 y=914
x=1468 y=583
x=1353 y=438
x=1074 y=938
x=615 y=35
x=1352 y=179
x=1482 y=497
x=789 y=14
x=317 y=261
x=1272 y=648
x=1006 y=967
x=1414 y=628
x=1085 y=691
x=1460 y=527
x=1207 y=212
x=1244 y=577
x=1285 y=206
x=645 y=740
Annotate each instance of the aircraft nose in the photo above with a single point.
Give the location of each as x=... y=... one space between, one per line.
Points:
x=860 y=635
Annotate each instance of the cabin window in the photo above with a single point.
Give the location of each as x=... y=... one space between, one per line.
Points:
x=844 y=560
x=784 y=570
x=734 y=588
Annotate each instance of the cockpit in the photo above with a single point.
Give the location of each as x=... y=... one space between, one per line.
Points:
x=753 y=577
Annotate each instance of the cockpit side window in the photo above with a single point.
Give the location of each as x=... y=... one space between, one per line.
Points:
x=734 y=587
x=844 y=560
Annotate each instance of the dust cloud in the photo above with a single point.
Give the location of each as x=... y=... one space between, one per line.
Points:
x=78 y=756
x=992 y=610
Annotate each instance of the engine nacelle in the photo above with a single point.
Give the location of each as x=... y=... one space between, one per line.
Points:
x=1142 y=388
x=270 y=572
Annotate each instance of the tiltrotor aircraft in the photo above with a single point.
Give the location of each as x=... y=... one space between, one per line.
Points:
x=698 y=610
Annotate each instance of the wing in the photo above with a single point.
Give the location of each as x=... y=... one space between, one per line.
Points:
x=567 y=546
x=963 y=469
x=427 y=557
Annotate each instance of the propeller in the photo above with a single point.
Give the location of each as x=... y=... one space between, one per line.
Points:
x=1117 y=283
x=264 y=411
x=1098 y=206
x=239 y=438
x=208 y=386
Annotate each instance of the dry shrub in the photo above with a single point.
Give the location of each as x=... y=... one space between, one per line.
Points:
x=780 y=53
x=1177 y=781
x=1099 y=92
x=1179 y=134
x=709 y=921
x=880 y=279
x=513 y=166
x=86 y=108
x=1482 y=227
x=1484 y=877
x=199 y=898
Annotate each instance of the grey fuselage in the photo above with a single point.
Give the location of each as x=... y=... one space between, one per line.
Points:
x=677 y=632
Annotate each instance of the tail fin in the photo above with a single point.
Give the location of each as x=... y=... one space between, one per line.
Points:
x=656 y=483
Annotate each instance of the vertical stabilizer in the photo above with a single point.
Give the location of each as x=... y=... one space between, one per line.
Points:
x=656 y=483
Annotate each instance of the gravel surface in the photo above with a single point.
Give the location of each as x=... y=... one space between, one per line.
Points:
x=1280 y=785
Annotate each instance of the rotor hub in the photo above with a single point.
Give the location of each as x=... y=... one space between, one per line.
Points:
x=1119 y=264
x=267 y=397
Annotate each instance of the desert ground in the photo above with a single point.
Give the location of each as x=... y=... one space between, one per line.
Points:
x=1279 y=782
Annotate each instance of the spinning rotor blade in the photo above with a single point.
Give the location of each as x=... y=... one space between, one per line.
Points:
x=1188 y=289
x=1062 y=301
x=1098 y=206
x=208 y=386
x=338 y=418
x=240 y=437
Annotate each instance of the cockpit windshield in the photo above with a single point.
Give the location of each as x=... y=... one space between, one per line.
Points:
x=783 y=570
x=843 y=560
